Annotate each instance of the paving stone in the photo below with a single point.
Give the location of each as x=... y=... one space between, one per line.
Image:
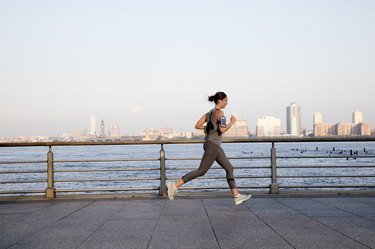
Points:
x=122 y=234
x=338 y=222
x=354 y=227
x=20 y=229
x=183 y=232
x=240 y=228
x=304 y=232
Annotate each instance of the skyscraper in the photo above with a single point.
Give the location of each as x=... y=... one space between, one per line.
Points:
x=293 y=119
x=102 y=133
x=357 y=117
x=318 y=118
x=93 y=125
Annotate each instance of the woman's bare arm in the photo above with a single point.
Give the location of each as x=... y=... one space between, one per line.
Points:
x=201 y=122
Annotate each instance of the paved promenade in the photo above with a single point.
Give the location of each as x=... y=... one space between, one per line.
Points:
x=330 y=222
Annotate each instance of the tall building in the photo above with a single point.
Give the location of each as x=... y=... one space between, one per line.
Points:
x=268 y=126
x=318 y=118
x=357 y=117
x=92 y=126
x=293 y=119
x=102 y=133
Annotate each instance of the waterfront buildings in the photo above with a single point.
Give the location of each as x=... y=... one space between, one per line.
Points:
x=77 y=133
x=268 y=126
x=293 y=119
x=318 y=118
x=239 y=130
x=356 y=128
x=357 y=117
x=164 y=134
x=114 y=131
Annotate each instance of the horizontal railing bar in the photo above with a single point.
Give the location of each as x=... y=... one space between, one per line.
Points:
x=199 y=158
x=23 y=172
x=103 y=170
x=223 y=187
x=194 y=168
x=250 y=158
x=323 y=167
x=105 y=190
x=23 y=181
x=326 y=186
x=108 y=180
x=107 y=160
x=326 y=176
x=21 y=191
x=22 y=162
x=323 y=157
x=183 y=158
x=222 y=177
x=237 y=177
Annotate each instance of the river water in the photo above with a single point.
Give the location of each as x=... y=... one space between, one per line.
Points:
x=287 y=167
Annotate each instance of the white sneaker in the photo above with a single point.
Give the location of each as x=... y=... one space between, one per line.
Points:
x=171 y=190
x=241 y=198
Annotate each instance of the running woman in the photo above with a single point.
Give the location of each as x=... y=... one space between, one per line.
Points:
x=214 y=128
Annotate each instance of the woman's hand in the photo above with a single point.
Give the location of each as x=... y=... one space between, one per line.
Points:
x=233 y=119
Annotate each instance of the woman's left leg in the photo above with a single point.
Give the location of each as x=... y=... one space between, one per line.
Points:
x=223 y=161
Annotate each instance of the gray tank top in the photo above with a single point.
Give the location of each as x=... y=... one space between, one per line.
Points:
x=213 y=134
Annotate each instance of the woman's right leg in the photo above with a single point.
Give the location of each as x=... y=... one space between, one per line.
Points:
x=209 y=156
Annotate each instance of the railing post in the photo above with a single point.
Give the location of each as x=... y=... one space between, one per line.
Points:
x=163 y=185
x=274 y=185
x=50 y=190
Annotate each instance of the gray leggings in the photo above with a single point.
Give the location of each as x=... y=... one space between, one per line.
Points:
x=212 y=152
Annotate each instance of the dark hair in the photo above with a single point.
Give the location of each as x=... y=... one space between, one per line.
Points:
x=218 y=96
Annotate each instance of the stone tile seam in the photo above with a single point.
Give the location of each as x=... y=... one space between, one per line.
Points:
x=274 y=230
x=46 y=226
x=156 y=224
x=88 y=237
x=346 y=211
x=212 y=227
x=316 y=220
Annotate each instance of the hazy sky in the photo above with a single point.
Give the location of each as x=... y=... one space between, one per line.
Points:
x=153 y=63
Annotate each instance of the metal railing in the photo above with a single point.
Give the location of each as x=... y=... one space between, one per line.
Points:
x=167 y=168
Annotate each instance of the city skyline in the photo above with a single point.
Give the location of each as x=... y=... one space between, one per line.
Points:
x=265 y=126
x=144 y=63
x=357 y=117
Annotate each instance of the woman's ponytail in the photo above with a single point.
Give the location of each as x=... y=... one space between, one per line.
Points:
x=218 y=96
x=211 y=98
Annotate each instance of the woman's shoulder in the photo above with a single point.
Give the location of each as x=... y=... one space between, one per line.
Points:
x=219 y=113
